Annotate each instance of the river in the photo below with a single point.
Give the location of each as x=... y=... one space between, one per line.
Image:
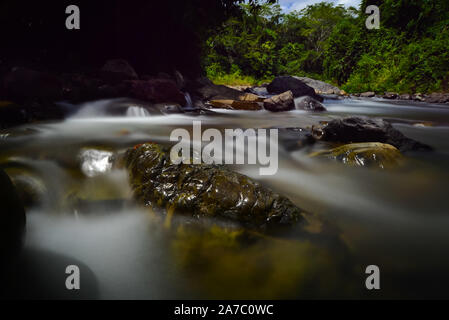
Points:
x=396 y=219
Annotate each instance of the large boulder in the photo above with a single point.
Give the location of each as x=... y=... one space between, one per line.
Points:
x=320 y=86
x=156 y=91
x=279 y=103
x=12 y=218
x=309 y=104
x=205 y=190
x=293 y=84
x=362 y=129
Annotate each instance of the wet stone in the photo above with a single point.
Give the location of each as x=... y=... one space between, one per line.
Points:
x=205 y=190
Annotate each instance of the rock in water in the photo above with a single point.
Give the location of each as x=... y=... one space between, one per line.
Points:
x=368 y=94
x=320 y=86
x=365 y=155
x=390 y=95
x=205 y=190
x=293 y=84
x=281 y=102
x=309 y=104
x=361 y=129
x=12 y=218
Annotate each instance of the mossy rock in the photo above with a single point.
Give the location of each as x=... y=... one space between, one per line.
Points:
x=205 y=190
x=371 y=154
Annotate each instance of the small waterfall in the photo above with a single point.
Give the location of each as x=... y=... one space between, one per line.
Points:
x=137 y=112
x=189 y=102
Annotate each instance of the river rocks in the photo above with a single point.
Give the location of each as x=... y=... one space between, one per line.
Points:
x=437 y=98
x=418 y=97
x=309 y=104
x=293 y=84
x=279 y=103
x=246 y=105
x=205 y=190
x=260 y=90
x=156 y=91
x=245 y=101
x=320 y=86
x=236 y=105
x=361 y=129
x=217 y=92
x=405 y=96
x=380 y=155
x=118 y=70
x=251 y=97
x=12 y=219
x=23 y=84
x=390 y=95
x=368 y=94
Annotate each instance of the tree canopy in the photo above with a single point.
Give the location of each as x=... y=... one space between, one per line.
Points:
x=409 y=53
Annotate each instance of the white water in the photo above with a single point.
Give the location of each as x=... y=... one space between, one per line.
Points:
x=137 y=112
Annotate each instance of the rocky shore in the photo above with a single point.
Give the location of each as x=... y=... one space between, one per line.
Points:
x=29 y=95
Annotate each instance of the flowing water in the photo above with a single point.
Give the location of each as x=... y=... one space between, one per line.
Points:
x=396 y=219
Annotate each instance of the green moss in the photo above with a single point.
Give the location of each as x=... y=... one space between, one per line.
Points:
x=365 y=154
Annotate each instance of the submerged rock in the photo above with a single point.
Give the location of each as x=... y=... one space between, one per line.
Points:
x=205 y=190
x=281 y=102
x=309 y=104
x=293 y=139
x=361 y=129
x=293 y=84
x=12 y=218
x=365 y=155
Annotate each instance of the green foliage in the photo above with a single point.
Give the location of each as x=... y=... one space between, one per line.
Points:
x=331 y=43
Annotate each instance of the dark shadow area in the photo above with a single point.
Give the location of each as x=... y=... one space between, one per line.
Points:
x=40 y=275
